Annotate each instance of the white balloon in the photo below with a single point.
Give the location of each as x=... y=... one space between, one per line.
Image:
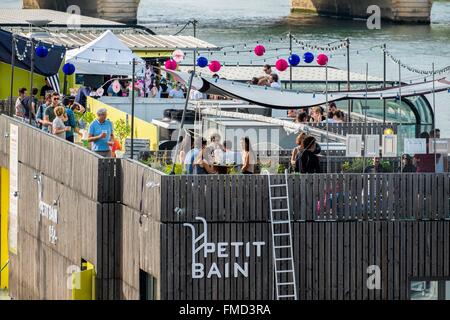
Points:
x=116 y=86
x=178 y=56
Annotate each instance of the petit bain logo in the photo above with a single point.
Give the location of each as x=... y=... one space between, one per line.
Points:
x=222 y=254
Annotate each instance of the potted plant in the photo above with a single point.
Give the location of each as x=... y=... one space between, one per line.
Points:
x=121 y=131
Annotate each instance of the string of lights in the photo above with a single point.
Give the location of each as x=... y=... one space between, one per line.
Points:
x=89 y=60
x=415 y=70
x=325 y=48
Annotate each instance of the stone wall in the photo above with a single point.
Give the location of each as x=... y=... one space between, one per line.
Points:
x=394 y=10
x=115 y=10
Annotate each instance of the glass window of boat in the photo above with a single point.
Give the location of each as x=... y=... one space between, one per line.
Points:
x=424 y=290
x=447 y=290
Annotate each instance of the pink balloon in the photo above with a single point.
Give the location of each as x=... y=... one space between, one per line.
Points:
x=170 y=64
x=260 y=50
x=282 y=65
x=215 y=66
x=322 y=59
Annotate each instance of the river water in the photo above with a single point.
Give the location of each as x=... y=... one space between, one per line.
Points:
x=227 y=22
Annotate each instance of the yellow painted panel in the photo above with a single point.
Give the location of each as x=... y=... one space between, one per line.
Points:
x=22 y=79
x=83 y=285
x=142 y=129
x=154 y=54
x=4 y=204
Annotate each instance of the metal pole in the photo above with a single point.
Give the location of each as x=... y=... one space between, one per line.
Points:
x=13 y=65
x=365 y=118
x=290 y=66
x=349 y=111
x=400 y=81
x=194 y=22
x=65 y=85
x=30 y=103
x=434 y=120
x=133 y=81
x=182 y=123
x=327 y=119
x=384 y=83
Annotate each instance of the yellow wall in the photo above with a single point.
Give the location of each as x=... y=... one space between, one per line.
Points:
x=142 y=129
x=22 y=79
x=154 y=54
x=4 y=204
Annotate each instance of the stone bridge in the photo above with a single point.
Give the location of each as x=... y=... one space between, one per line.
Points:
x=115 y=10
x=408 y=11
x=412 y=11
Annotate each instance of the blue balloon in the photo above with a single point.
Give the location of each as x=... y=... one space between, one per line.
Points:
x=202 y=62
x=68 y=69
x=41 y=51
x=308 y=57
x=294 y=60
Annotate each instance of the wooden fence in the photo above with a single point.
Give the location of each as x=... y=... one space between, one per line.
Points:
x=123 y=217
x=86 y=189
x=331 y=260
x=318 y=197
x=343 y=223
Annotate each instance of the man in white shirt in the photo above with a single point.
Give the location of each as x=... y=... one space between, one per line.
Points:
x=230 y=156
x=196 y=95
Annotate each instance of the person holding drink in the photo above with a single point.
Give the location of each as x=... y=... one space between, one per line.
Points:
x=101 y=134
x=59 y=129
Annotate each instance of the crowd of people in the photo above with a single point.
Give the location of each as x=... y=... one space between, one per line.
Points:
x=212 y=156
x=317 y=115
x=57 y=116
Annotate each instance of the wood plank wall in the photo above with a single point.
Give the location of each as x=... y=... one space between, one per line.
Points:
x=331 y=260
x=317 y=197
x=87 y=187
x=123 y=216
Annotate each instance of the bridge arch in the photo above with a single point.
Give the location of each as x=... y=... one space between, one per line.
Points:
x=414 y=11
x=121 y=11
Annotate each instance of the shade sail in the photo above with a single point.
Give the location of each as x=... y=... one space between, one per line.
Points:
x=106 y=55
x=46 y=67
x=282 y=99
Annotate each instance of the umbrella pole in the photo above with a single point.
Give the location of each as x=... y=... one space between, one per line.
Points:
x=434 y=120
x=349 y=107
x=133 y=81
x=384 y=83
x=30 y=103
x=65 y=85
x=328 y=120
x=365 y=118
x=13 y=66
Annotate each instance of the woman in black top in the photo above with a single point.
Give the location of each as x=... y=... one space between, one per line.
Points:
x=407 y=165
x=307 y=161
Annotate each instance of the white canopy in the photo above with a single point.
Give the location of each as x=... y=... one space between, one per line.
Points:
x=106 y=55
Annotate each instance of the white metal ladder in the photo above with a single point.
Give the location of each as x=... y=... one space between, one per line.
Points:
x=280 y=217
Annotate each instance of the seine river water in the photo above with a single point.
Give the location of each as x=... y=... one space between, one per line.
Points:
x=227 y=22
